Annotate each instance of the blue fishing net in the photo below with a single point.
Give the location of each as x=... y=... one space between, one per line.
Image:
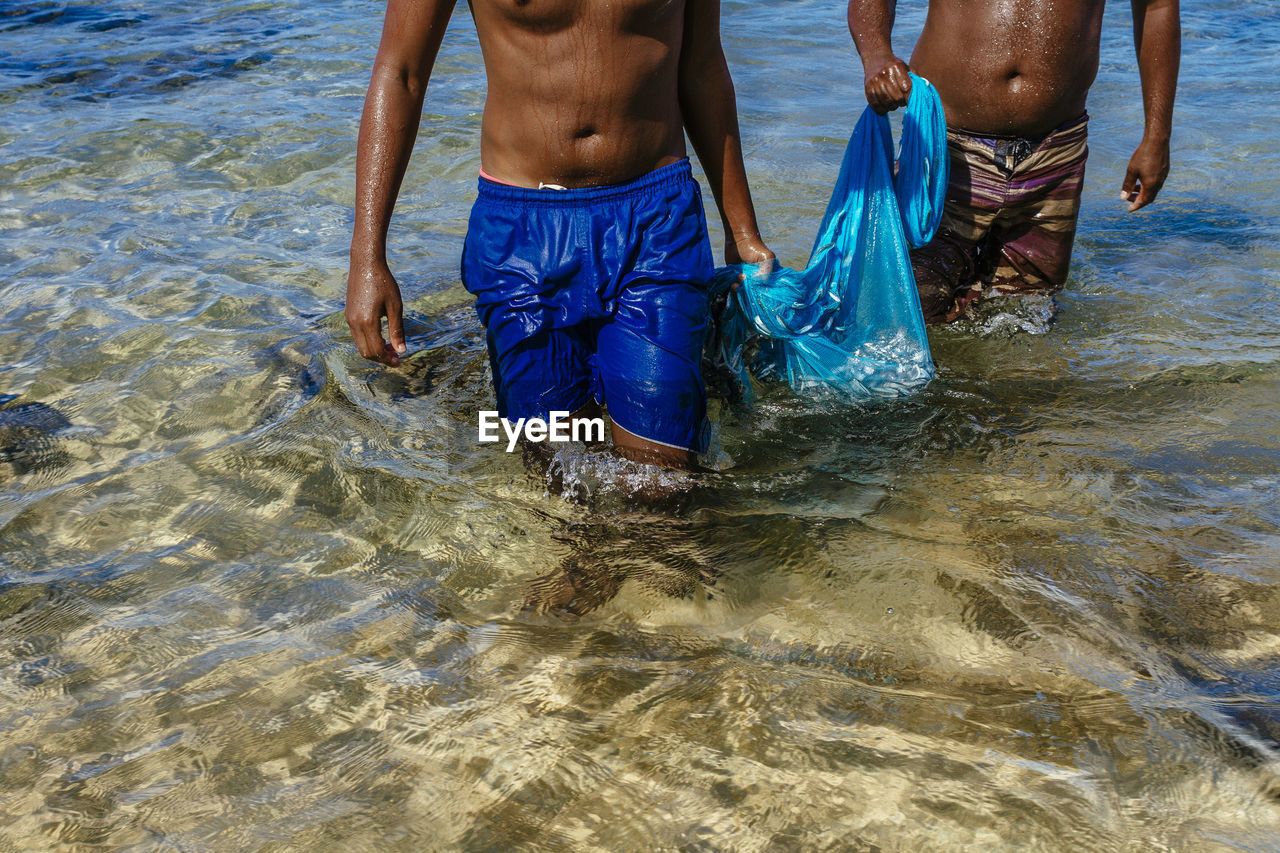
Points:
x=849 y=324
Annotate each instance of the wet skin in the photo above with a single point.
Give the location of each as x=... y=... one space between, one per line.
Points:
x=1024 y=67
x=580 y=94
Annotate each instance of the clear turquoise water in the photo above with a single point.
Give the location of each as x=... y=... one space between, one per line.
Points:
x=256 y=594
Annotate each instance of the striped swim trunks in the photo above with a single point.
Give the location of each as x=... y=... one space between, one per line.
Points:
x=1010 y=218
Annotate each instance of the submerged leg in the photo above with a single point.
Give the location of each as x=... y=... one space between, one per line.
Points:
x=575 y=587
x=538 y=455
x=945 y=271
x=668 y=555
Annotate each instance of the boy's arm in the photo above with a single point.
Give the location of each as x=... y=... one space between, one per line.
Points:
x=1157 y=37
x=411 y=36
x=710 y=113
x=885 y=76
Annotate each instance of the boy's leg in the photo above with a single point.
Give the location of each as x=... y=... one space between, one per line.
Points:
x=629 y=281
x=539 y=338
x=649 y=352
x=650 y=367
x=639 y=449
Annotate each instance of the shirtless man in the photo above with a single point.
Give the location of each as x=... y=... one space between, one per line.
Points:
x=1013 y=76
x=587 y=248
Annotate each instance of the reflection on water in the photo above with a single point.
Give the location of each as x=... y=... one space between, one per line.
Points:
x=258 y=594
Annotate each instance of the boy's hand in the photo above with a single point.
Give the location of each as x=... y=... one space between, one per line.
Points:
x=749 y=250
x=372 y=293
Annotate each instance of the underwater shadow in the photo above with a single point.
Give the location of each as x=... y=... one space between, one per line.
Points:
x=29 y=437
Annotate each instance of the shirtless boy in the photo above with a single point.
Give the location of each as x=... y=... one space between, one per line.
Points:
x=1013 y=76
x=587 y=248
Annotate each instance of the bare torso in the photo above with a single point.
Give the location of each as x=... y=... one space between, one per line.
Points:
x=1017 y=67
x=581 y=93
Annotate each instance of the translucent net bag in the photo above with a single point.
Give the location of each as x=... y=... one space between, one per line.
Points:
x=849 y=324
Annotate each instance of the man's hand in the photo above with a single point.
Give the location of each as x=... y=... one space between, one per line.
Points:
x=372 y=293
x=888 y=82
x=1145 y=176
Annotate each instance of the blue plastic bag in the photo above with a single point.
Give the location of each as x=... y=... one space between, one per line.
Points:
x=849 y=325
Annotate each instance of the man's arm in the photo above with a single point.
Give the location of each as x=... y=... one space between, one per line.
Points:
x=411 y=36
x=885 y=77
x=710 y=113
x=1157 y=37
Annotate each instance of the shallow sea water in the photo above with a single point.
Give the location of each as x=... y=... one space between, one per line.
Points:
x=256 y=594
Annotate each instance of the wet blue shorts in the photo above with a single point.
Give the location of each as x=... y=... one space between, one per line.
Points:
x=596 y=293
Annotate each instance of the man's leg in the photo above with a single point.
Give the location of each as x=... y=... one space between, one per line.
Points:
x=944 y=270
x=948 y=268
x=1036 y=230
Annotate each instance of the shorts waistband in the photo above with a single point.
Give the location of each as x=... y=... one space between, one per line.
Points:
x=672 y=175
x=1060 y=135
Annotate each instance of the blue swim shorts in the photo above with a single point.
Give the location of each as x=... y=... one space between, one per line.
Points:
x=598 y=293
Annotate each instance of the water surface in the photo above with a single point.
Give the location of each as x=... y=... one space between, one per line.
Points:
x=257 y=594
